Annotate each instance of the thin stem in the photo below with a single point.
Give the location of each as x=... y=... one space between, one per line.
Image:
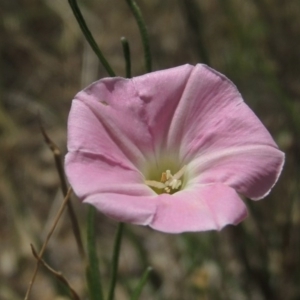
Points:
x=115 y=261
x=194 y=19
x=86 y=32
x=137 y=292
x=144 y=33
x=126 y=52
x=57 y=274
x=155 y=279
x=60 y=170
x=42 y=251
x=92 y=270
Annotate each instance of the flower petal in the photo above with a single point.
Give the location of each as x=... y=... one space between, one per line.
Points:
x=133 y=113
x=88 y=134
x=161 y=92
x=250 y=170
x=111 y=130
x=107 y=118
x=212 y=121
x=91 y=174
x=212 y=115
x=203 y=207
x=125 y=208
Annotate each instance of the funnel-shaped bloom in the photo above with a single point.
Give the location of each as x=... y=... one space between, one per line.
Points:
x=172 y=149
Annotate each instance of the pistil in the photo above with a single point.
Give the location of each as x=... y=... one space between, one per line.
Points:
x=168 y=182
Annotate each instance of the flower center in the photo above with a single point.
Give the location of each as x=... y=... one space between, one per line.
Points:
x=168 y=182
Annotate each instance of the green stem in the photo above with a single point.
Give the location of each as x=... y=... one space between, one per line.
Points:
x=92 y=270
x=137 y=292
x=154 y=279
x=126 y=52
x=85 y=30
x=143 y=31
x=115 y=261
x=194 y=18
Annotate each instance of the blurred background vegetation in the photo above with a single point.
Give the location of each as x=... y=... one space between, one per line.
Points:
x=45 y=60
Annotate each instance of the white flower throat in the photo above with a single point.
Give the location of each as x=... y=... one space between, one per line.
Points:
x=168 y=182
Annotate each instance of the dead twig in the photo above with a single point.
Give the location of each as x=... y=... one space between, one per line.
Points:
x=57 y=274
x=60 y=170
x=41 y=253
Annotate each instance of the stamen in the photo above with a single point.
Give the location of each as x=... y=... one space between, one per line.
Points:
x=168 y=181
x=167 y=190
x=169 y=175
x=155 y=184
x=163 y=177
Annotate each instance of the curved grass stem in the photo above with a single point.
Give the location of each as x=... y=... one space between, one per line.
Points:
x=137 y=292
x=92 y=269
x=43 y=249
x=143 y=31
x=89 y=37
x=127 y=57
x=115 y=261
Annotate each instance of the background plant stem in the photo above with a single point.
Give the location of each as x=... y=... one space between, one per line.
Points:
x=144 y=33
x=92 y=270
x=137 y=292
x=89 y=37
x=127 y=58
x=115 y=261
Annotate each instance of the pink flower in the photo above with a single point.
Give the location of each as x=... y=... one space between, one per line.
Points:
x=172 y=149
